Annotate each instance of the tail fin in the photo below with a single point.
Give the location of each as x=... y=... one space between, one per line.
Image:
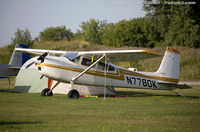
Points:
x=19 y=58
x=169 y=67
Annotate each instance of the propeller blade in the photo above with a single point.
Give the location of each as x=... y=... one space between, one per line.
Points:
x=41 y=58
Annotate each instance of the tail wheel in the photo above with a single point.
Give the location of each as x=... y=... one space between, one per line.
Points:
x=73 y=94
x=46 y=92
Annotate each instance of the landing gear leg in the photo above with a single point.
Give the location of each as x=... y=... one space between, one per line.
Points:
x=71 y=84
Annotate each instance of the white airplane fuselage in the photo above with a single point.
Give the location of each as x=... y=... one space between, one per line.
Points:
x=62 y=69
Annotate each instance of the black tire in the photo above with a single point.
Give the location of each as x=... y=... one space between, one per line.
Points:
x=45 y=92
x=73 y=94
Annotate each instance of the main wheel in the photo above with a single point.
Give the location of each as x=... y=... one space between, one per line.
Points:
x=73 y=94
x=46 y=92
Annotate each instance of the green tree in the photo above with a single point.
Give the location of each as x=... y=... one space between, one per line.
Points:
x=177 y=24
x=92 y=30
x=182 y=30
x=56 y=33
x=159 y=13
x=135 y=32
x=78 y=35
x=151 y=33
x=21 y=36
x=108 y=35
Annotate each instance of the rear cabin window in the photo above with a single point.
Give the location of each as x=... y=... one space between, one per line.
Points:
x=101 y=66
x=111 y=68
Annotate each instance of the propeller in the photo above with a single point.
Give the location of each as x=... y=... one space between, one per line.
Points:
x=41 y=58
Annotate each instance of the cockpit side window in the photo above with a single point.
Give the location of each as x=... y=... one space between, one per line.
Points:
x=100 y=65
x=86 y=62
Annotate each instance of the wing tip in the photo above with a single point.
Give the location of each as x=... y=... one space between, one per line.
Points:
x=172 y=50
x=150 y=52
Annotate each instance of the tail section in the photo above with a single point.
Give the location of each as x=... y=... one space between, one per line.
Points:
x=19 y=58
x=169 y=67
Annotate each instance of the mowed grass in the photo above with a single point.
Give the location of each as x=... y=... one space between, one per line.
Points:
x=136 y=110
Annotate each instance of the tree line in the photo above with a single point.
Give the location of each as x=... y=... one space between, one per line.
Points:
x=165 y=24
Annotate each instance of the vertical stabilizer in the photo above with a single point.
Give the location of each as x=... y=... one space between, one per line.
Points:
x=169 y=67
x=19 y=58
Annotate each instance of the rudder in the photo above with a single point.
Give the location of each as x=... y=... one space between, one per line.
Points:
x=19 y=58
x=170 y=65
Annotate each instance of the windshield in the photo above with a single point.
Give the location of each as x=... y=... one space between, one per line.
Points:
x=72 y=56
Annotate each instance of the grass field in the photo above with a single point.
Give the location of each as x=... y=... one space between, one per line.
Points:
x=140 y=111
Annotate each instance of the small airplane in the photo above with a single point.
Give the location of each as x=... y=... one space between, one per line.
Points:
x=16 y=61
x=95 y=68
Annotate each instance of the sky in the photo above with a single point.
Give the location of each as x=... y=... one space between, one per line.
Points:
x=36 y=15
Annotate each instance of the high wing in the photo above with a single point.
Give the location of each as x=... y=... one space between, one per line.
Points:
x=114 y=55
x=121 y=55
x=41 y=51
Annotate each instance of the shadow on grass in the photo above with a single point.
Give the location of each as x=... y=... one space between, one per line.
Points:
x=7 y=91
x=122 y=93
x=146 y=94
x=17 y=123
x=17 y=89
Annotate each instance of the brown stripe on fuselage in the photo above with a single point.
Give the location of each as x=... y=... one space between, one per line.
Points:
x=118 y=76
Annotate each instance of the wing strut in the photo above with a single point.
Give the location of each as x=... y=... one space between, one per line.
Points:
x=87 y=69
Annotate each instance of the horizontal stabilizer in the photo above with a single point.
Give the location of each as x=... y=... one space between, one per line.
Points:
x=179 y=86
x=15 y=67
x=3 y=76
